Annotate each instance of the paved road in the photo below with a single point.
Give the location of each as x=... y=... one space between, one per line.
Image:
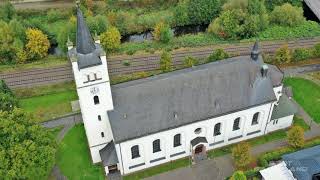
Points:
x=140 y=63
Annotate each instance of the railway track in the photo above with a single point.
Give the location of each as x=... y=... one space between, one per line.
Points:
x=138 y=63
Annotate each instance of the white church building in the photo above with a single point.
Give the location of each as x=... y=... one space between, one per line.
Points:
x=143 y=123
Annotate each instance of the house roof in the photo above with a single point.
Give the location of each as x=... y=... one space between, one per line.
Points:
x=284 y=108
x=305 y=163
x=108 y=154
x=186 y=96
x=279 y=171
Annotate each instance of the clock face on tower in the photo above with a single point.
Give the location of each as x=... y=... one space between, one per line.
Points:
x=94 y=90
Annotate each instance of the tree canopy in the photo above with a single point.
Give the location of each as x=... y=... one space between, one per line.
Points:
x=27 y=151
x=7 y=99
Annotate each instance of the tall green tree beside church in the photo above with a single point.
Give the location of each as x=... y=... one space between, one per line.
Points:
x=27 y=150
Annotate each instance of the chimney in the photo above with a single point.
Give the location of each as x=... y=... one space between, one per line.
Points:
x=264 y=70
x=255 y=51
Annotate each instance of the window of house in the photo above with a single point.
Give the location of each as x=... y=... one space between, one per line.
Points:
x=88 y=78
x=197 y=131
x=99 y=117
x=102 y=134
x=156 y=146
x=177 y=140
x=236 y=124
x=217 y=128
x=135 y=152
x=255 y=118
x=96 y=100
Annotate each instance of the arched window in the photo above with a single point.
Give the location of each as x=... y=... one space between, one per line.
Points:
x=217 y=128
x=99 y=117
x=255 y=118
x=177 y=140
x=135 y=152
x=156 y=146
x=102 y=134
x=236 y=124
x=96 y=100
x=197 y=131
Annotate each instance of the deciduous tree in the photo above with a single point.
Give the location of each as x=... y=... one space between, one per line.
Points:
x=110 y=39
x=37 y=43
x=241 y=154
x=27 y=151
x=203 y=11
x=162 y=32
x=295 y=137
x=287 y=15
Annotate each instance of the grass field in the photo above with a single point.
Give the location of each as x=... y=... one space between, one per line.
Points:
x=73 y=157
x=47 y=102
x=307 y=94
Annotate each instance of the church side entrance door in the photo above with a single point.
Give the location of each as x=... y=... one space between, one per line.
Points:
x=198 y=149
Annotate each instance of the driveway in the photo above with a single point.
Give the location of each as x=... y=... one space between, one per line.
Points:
x=216 y=169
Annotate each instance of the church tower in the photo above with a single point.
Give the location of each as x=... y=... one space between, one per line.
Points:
x=91 y=76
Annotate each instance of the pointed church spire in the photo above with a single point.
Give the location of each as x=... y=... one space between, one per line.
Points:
x=85 y=43
x=255 y=51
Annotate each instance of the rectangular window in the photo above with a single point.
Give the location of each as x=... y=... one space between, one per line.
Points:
x=236 y=124
x=156 y=146
x=135 y=152
x=177 y=140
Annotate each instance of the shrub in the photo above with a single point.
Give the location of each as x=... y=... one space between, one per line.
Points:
x=317 y=50
x=302 y=54
x=296 y=137
x=287 y=15
x=126 y=63
x=283 y=55
x=203 y=11
x=37 y=45
x=97 y=24
x=227 y=25
x=162 y=33
x=22 y=56
x=7 y=11
x=110 y=39
x=236 y=4
x=238 y=175
x=55 y=15
x=218 y=54
x=190 y=61
x=166 y=62
x=241 y=154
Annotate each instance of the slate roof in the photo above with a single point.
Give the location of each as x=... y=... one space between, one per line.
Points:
x=284 y=108
x=198 y=140
x=108 y=154
x=305 y=163
x=149 y=105
x=86 y=52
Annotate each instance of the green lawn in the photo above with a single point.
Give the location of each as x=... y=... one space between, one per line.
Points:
x=47 y=102
x=307 y=94
x=73 y=157
x=49 y=106
x=298 y=121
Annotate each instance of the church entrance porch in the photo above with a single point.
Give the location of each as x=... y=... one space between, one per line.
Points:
x=198 y=146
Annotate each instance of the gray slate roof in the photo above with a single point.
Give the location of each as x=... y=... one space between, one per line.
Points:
x=198 y=140
x=149 y=105
x=86 y=52
x=285 y=108
x=305 y=163
x=108 y=154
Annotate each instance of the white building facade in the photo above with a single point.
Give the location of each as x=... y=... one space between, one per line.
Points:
x=144 y=123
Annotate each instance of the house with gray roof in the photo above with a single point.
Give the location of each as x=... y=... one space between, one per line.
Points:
x=143 y=123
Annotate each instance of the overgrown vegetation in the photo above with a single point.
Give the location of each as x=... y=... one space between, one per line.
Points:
x=8 y=101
